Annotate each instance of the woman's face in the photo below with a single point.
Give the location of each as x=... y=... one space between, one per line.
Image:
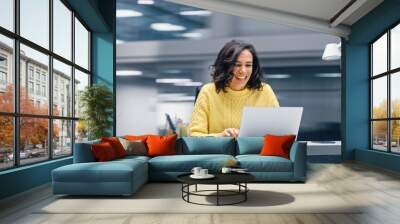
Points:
x=242 y=70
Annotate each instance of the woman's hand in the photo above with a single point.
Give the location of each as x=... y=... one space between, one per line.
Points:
x=230 y=132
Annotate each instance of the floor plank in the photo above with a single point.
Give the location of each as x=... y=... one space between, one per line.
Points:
x=376 y=189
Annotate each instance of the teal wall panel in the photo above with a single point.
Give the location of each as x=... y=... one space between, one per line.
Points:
x=103 y=68
x=380 y=159
x=356 y=84
x=357 y=99
x=24 y=178
x=102 y=58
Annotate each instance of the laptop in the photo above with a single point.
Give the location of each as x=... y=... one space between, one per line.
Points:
x=259 y=121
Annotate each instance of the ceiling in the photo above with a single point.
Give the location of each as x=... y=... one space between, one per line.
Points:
x=327 y=16
x=161 y=54
x=139 y=28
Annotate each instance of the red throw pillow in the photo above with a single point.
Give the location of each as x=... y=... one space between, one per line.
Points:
x=116 y=145
x=277 y=145
x=103 y=151
x=161 y=145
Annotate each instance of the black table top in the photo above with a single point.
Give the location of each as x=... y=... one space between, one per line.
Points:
x=220 y=178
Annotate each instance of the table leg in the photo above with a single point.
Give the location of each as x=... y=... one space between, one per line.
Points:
x=217 y=194
x=188 y=190
x=245 y=193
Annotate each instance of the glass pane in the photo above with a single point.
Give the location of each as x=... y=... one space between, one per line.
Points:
x=395 y=47
x=395 y=94
x=34 y=94
x=33 y=139
x=7 y=14
x=35 y=21
x=379 y=97
x=81 y=45
x=395 y=135
x=379 y=55
x=6 y=74
x=62 y=29
x=81 y=81
x=62 y=138
x=62 y=89
x=81 y=131
x=379 y=135
x=6 y=142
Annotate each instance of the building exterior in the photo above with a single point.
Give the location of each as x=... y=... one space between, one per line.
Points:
x=34 y=80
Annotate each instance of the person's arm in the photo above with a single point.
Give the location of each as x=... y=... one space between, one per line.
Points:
x=199 y=124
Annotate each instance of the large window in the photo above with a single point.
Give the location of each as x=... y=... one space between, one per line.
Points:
x=44 y=64
x=385 y=94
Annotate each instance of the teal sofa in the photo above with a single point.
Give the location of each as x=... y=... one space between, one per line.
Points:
x=125 y=176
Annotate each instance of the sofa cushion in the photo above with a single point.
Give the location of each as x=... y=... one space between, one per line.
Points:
x=135 y=147
x=206 y=145
x=83 y=152
x=112 y=171
x=131 y=158
x=185 y=163
x=249 y=145
x=257 y=163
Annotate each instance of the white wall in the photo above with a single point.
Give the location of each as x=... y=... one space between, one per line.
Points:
x=182 y=110
x=136 y=106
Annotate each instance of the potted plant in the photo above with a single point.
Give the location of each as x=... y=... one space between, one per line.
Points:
x=96 y=102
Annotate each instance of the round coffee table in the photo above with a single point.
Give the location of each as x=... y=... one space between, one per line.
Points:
x=238 y=179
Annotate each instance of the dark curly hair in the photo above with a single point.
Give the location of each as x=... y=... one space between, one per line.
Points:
x=225 y=62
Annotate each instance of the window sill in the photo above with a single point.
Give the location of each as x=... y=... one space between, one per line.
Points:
x=26 y=167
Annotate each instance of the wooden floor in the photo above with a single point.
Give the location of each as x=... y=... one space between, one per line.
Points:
x=377 y=188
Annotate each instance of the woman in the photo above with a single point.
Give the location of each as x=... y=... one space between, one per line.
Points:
x=237 y=82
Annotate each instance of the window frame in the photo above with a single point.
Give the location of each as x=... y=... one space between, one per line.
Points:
x=388 y=74
x=16 y=114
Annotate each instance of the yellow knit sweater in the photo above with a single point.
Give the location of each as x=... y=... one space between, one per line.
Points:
x=214 y=112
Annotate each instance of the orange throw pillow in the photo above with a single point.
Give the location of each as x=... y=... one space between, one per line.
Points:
x=103 y=152
x=116 y=145
x=277 y=145
x=161 y=145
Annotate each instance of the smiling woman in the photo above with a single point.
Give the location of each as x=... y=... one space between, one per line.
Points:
x=237 y=82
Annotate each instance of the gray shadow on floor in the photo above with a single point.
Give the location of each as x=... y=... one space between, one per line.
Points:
x=255 y=198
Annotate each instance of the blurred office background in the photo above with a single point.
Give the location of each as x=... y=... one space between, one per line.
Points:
x=164 y=51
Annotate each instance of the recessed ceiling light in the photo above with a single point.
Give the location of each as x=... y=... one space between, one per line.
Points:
x=192 y=35
x=166 y=27
x=129 y=73
x=328 y=75
x=278 y=76
x=195 y=13
x=189 y=84
x=173 y=80
x=121 y=13
x=145 y=2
